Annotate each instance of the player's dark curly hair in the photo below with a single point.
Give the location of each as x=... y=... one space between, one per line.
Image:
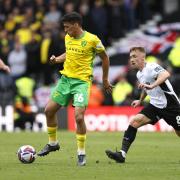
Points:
x=72 y=17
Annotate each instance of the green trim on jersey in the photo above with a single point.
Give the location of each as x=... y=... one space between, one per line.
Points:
x=82 y=35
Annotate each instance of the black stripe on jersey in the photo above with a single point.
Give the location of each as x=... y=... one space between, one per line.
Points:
x=164 y=87
x=172 y=100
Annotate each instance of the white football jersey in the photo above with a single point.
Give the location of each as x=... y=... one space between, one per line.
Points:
x=163 y=95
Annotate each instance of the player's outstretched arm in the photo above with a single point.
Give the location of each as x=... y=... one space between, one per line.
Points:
x=160 y=79
x=105 y=66
x=136 y=103
x=4 y=67
x=57 y=59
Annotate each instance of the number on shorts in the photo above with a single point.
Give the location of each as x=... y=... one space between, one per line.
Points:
x=79 y=97
x=178 y=120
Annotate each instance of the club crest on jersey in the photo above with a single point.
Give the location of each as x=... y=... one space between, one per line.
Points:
x=83 y=43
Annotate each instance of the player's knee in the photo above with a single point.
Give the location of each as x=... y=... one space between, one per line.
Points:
x=48 y=112
x=139 y=120
x=135 y=124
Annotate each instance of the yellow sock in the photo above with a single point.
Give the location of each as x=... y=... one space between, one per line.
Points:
x=81 y=138
x=52 y=134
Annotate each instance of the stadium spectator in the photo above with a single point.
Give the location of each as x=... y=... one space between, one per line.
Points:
x=42 y=95
x=69 y=6
x=116 y=19
x=96 y=97
x=24 y=117
x=7 y=88
x=24 y=34
x=25 y=87
x=33 y=56
x=174 y=62
x=122 y=91
x=44 y=55
x=99 y=14
x=75 y=81
x=130 y=8
x=17 y=60
x=4 y=44
x=52 y=17
x=164 y=103
x=84 y=10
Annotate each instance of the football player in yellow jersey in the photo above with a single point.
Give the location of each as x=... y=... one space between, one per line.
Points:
x=4 y=67
x=81 y=48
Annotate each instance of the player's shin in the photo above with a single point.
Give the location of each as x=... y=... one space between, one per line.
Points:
x=129 y=137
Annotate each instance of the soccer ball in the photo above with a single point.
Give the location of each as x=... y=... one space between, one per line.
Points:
x=26 y=154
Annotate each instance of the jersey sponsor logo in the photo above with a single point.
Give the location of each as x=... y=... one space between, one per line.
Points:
x=83 y=43
x=74 y=49
x=56 y=94
x=158 y=68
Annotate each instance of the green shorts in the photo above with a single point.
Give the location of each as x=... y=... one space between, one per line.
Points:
x=71 y=89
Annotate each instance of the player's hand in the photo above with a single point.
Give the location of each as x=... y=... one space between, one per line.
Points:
x=7 y=69
x=107 y=86
x=145 y=86
x=52 y=59
x=136 y=103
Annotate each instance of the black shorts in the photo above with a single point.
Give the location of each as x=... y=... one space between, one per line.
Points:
x=171 y=115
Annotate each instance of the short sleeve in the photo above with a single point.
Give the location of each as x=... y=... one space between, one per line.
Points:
x=98 y=46
x=156 y=69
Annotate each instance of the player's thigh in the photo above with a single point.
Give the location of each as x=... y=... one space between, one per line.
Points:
x=61 y=92
x=139 y=120
x=80 y=92
x=51 y=107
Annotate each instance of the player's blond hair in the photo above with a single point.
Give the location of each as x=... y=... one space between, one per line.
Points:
x=138 y=48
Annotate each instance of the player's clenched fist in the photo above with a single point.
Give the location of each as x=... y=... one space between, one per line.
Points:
x=52 y=59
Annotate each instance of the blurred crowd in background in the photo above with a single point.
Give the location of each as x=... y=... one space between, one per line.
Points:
x=30 y=31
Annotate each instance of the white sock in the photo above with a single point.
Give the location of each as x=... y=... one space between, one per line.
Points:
x=123 y=153
x=53 y=143
x=81 y=152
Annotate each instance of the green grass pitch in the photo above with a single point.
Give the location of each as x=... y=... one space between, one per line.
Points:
x=152 y=156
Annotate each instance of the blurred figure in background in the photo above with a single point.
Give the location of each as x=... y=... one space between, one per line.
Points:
x=17 y=60
x=122 y=91
x=24 y=116
x=7 y=87
x=25 y=87
x=99 y=19
x=96 y=97
x=174 y=62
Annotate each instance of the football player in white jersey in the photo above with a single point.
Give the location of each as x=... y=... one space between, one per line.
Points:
x=164 y=103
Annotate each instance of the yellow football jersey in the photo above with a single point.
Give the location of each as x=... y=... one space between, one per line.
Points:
x=80 y=53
